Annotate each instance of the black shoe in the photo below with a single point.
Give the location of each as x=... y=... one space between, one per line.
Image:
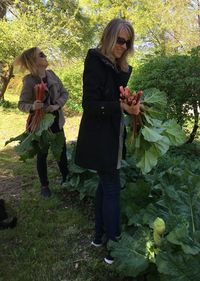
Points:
x=45 y=191
x=3 y=213
x=109 y=259
x=8 y=223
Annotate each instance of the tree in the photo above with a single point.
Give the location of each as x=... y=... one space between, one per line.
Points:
x=58 y=27
x=3 y=7
x=167 y=26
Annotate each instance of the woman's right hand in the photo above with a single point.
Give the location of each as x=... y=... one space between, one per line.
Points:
x=133 y=109
x=37 y=105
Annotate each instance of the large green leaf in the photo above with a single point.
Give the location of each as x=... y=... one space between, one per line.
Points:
x=19 y=138
x=151 y=134
x=180 y=236
x=155 y=97
x=56 y=144
x=183 y=199
x=162 y=146
x=131 y=254
x=155 y=135
x=177 y=266
x=45 y=123
x=174 y=133
x=41 y=139
x=148 y=160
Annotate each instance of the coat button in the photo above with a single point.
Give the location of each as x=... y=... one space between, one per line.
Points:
x=102 y=107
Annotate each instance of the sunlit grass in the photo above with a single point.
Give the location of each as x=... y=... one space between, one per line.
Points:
x=13 y=122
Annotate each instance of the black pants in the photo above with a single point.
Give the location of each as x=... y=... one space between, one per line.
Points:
x=42 y=165
x=107 y=205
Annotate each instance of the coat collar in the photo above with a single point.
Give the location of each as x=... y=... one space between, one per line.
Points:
x=105 y=60
x=50 y=78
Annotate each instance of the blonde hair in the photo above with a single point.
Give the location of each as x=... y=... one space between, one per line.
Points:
x=27 y=61
x=109 y=39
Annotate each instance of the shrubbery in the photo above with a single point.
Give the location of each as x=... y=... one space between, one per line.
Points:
x=71 y=77
x=178 y=76
x=171 y=192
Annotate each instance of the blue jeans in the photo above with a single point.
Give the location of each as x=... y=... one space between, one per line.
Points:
x=107 y=205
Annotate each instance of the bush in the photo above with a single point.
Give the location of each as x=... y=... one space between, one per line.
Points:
x=178 y=76
x=71 y=77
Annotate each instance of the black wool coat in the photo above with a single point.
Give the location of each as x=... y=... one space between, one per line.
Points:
x=98 y=138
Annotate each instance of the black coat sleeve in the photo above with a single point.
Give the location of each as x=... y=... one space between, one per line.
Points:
x=94 y=79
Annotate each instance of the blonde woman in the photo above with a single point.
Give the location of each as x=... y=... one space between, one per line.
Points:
x=35 y=61
x=100 y=144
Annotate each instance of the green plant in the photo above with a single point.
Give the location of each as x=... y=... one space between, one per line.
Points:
x=40 y=139
x=155 y=134
x=178 y=77
x=71 y=77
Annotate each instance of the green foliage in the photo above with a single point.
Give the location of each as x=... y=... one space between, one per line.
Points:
x=31 y=142
x=7 y=104
x=71 y=77
x=82 y=180
x=176 y=266
x=173 y=196
x=165 y=26
x=155 y=135
x=170 y=192
x=130 y=253
x=178 y=77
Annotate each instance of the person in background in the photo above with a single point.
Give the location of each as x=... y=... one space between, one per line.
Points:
x=5 y=220
x=101 y=138
x=35 y=61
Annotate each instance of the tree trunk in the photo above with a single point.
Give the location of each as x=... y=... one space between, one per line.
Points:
x=4 y=4
x=196 y=121
x=5 y=79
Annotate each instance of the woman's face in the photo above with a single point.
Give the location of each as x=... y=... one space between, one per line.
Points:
x=122 y=44
x=41 y=59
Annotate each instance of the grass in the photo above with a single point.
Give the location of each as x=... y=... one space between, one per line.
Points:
x=52 y=239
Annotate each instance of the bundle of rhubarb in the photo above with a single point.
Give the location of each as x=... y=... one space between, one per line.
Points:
x=132 y=99
x=35 y=120
x=38 y=135
x=152 y=134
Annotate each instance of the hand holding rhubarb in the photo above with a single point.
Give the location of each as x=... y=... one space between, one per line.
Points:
x=37 y=105
x=133 y=109
x=52 y=108
x=128 y=98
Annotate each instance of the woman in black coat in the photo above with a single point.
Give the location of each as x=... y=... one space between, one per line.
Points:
x=100 y=144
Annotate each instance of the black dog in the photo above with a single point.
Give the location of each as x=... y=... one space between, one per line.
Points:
x=6 y=222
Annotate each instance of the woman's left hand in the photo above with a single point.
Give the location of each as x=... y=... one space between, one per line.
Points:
x=133 y=109
x=52 y=108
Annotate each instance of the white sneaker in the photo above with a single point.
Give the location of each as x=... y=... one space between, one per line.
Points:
x=96 y=244
x=108 y=259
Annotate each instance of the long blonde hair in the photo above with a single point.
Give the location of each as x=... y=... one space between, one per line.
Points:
x=27 y=61
x=109 y=39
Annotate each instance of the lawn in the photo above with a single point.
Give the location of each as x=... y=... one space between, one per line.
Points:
x=52 y=239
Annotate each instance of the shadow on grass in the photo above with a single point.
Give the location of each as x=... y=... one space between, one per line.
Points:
x=8 y=105
x=52 y=239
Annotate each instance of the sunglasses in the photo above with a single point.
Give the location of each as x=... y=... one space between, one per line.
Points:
x=42 y=55
x=121 y=41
